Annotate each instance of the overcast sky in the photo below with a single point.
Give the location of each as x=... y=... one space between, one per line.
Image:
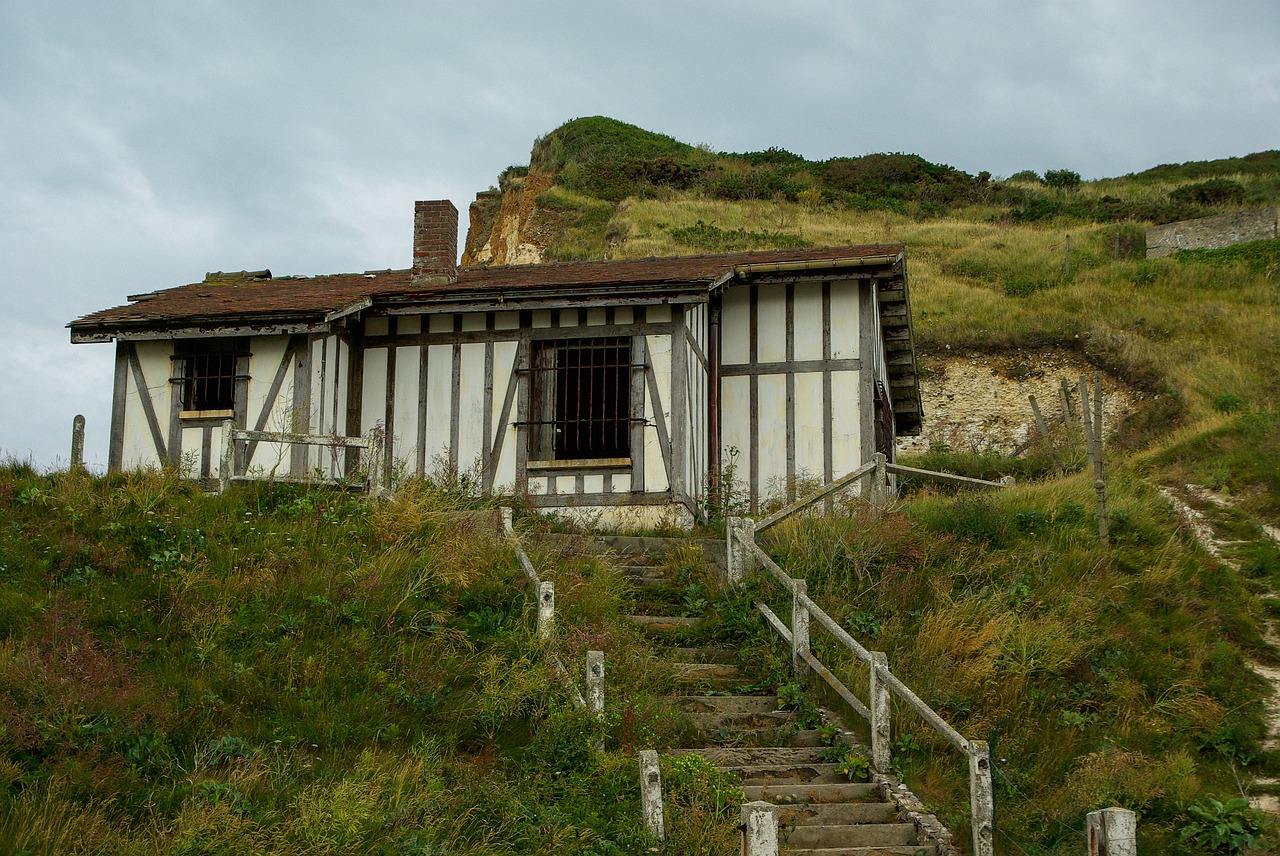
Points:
x=143 y=144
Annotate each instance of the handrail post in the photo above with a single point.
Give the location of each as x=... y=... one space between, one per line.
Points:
x=77 y=443
x=881 y=713
x=228 y=455
x=507 y=516
x=595 y=689
x=879 y=484
x=799 y=630
x=546 y=609
x=651 y=794
x=739 y=531
x=1112 y=832
x=981 y=800
x=759 y=829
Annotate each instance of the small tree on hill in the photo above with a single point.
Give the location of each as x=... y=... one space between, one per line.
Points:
x=1062 y=179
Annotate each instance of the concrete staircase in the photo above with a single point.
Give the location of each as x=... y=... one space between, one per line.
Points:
x=819 y=812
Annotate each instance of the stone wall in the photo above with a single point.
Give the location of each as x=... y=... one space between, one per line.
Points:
x=1221 y=230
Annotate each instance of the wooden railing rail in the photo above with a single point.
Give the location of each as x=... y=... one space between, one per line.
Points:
x=742 y=548
x=231 y=435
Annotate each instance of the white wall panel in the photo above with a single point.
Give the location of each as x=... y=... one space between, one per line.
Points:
x=408 y=366
x=844 y=319
x=439 y=402
x=771 y=310
x=471 y=408
x=808 y=405
x=846 y=448
x=807 y=317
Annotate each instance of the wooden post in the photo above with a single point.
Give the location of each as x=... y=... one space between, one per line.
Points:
x=1044 y=433
x=879 y=484
x=77 y=443
x=981 y=800
x=228 y=455
x=881 y=727
x=1064 y=392
x=651 y=794
x=759 y=829
x=546 y=609
x=1092 y=425
x=595 y=689
x=799 y=630
x=739 y=560
x=507 y=516
x=1112 y=832
x=1066 y=265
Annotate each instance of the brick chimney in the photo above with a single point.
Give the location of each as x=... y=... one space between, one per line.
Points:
x=435 y=242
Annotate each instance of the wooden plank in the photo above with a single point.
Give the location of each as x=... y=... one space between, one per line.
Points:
x=753 y=352
x=638 y=352
x=828 y=405
x=148 y=410
x=240 y=407
x=791 y=391
x=499 y=438
x=389 y=408
x=300 y=456
x=206 y=451
x=580 y=500
x=455 y=401
x=944 y=478
x=827 y=490
x=424 y=362
x=177 y=379
x=679 y=409
x=468 y=337
x=304 y=439
x=866 y=375
x=655 y=400
x=486 y=416
x=790 y=367
x=522 y=409
x=355 y=395
x=693 y=346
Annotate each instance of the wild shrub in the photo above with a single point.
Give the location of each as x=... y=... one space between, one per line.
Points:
x=1214 y=192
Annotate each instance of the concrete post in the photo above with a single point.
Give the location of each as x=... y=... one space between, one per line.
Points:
x=546 y=609
x=881 y=715
x=651 y=794
x=981 y=799
x=799 y=631
x=759 y=829
x=77 y=443
x=228 y=455
x=740 y=561
x=507 y=517
x=1112 y=832
x=595 y=689
x=1008 y=481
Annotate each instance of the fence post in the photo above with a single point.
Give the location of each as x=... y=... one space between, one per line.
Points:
x=881 y=714
x=981 y=801
x=228 y=455
x=1112 y=832
x=759 y=829
x=595 y=689
x=546 y=609
x=507 y=518
x=799 y=630
x=651 y=794
x=77 y=443
x=739 y=559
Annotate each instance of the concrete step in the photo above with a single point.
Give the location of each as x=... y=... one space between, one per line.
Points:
x=788 y=794
x=899 y=850
x=703 y=655
x=853 y=835
x=741 y=756
x=831 y=814
x=664 y=622
x=710 y=676
x=775 y=774
x=737 y=723
x=726 y=704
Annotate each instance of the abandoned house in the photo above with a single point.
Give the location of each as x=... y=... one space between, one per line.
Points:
x=584 y=384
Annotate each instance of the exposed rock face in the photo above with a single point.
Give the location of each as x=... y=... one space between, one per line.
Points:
x=505 y=225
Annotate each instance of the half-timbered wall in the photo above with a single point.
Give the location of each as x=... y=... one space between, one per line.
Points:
x=453 y=392
x=791 y=383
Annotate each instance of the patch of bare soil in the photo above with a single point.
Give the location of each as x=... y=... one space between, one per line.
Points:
x=978 y=401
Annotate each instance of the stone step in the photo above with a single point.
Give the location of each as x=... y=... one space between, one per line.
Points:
x=774 y=774
x=830 y=814
x=727 y=656
x=726 y=704
x=664 y=622
x=737 y=756
x=899 y=850
x=789 y=794
x=853 y=835
x=714 y=723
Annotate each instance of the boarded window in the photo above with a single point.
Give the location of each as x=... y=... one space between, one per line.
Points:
x=580 y=399
x=209 y=372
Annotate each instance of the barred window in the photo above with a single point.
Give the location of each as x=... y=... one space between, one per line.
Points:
x=209 y=372
x=580 y=399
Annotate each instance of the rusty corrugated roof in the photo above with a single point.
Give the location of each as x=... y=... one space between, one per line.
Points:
x=312 y=298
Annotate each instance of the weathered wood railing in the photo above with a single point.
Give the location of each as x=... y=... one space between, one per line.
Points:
x=745 y=555
x=231 y=435
x=876 y=488
x=544 y=591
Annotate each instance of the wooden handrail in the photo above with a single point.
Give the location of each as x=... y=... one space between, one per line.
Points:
x=822 y=493
x=947 y=478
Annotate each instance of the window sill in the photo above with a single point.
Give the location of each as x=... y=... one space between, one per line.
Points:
x=581 y=464
x=206 y=414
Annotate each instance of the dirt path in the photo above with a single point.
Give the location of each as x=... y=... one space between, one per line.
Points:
x=1266 y=795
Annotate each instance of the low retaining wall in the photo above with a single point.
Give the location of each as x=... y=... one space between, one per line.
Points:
x=1220 y=230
